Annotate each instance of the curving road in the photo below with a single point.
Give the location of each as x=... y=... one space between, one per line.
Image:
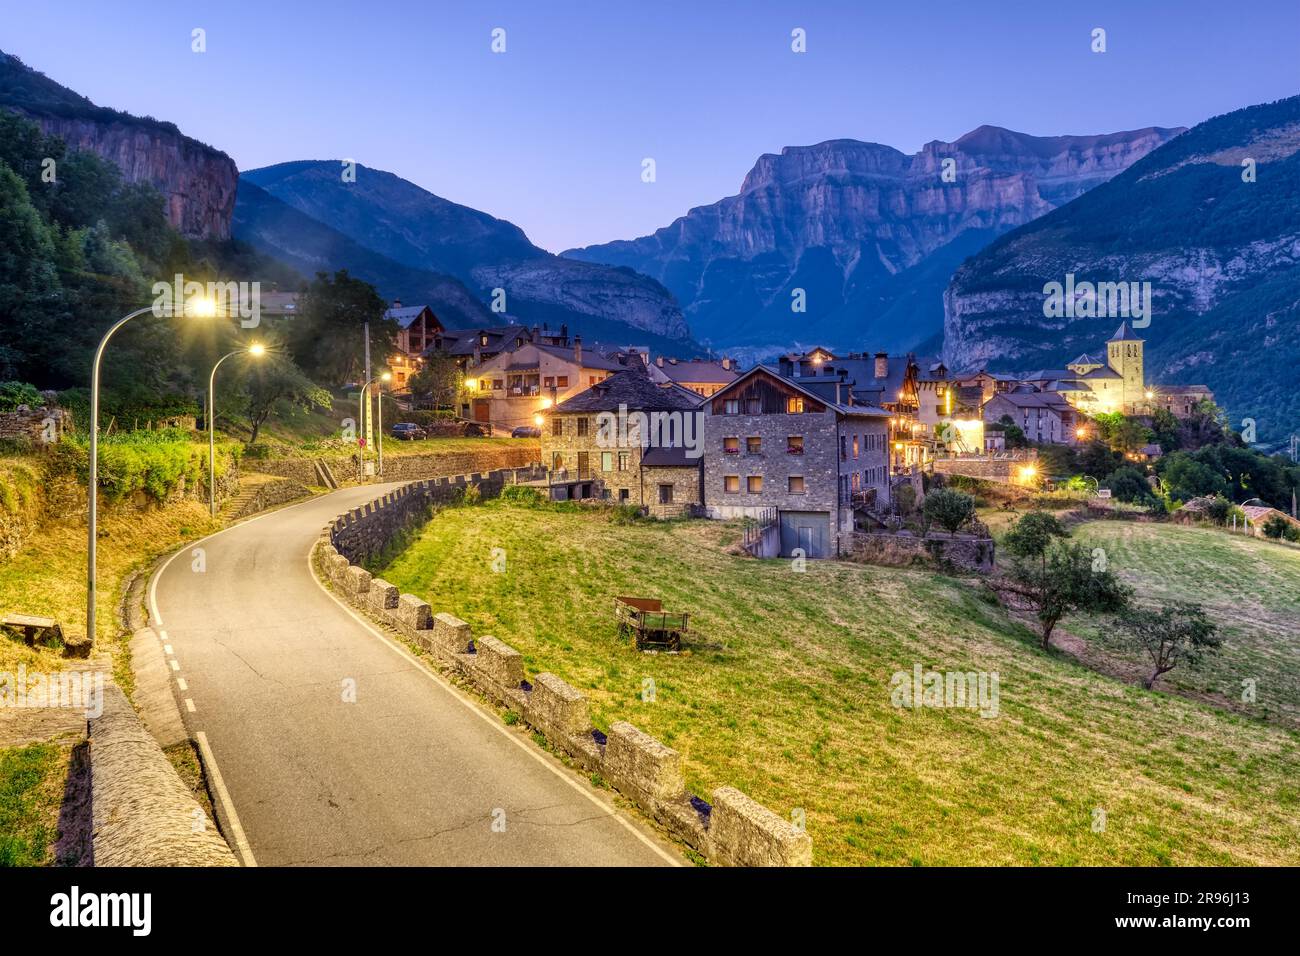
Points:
x=411 y=773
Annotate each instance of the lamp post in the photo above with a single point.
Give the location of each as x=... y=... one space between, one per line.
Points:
x=255 y=350
x=200 y=307
x=365 y=416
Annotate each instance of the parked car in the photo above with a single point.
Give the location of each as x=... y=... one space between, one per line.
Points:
x=526 y=431
x=408 y=431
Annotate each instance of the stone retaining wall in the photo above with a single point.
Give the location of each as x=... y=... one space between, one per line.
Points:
x=939 y=550
x=143 y=813
x=733 y=830
x=404 y=467
x=269 y=494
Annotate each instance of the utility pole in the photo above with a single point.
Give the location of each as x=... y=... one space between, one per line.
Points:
x=365 y=407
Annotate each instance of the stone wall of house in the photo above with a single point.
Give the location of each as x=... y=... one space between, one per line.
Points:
x=37 y=426
x=965 y=552
x=624 y=461
x=732 y=830
x=685 y=483
x=818 y=465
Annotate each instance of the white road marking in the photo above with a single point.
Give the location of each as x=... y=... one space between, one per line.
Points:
x=223 y=797
x=180 y=682
x=189 y=705
x=490 y=720
x=167 y=649
x=162 y=636
x=175 y=664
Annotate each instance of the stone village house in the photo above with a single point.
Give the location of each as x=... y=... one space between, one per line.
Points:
x=656 y=465
x=772 y=444
x=516 y=386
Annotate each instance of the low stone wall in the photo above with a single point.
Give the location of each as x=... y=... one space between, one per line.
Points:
x=143 y=813
x=37 y=426
x=404 y=467
x=269 y=494
x=938 y=550
x=1003 y=470
x=733 y=830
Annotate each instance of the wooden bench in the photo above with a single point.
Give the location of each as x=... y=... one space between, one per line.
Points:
x=37 y=631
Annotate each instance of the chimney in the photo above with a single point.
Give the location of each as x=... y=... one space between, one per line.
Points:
x=882 y=365
x=659 y=361
x=564 y=333
x=726 y=363
x=397 y=303
x=577 y=350
x=837 y=392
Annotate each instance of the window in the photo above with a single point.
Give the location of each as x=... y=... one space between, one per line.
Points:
x=562 y=381
x=606 y=461
x=557 y=427
x=557 y=462
x=592 y=379
x=843 y=452
x=855 y=446
x=857 y=481
x=622 y=494
x=549 y=381
x=731 y=484
x=483 y=340
x=794 y=445
x=622 y=461
x=753 y=406
x=795 y=485
x=754 y=445
x=582 y=427
x=584 y=464
x=497 y=384
x=754 y=484
x=794 y=405
x=731 y=406
x=731 y=446
x=665 y=494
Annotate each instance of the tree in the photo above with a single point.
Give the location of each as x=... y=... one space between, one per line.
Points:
x=1129 y=484
x=1066 y=580
x=438 y=382
x=948 y=508
x=328 y=340
x=1013 y=434
x=1275 y=527
x=1032 y=533
x=1165 y=429
x=275 y=385
x=1175 y=633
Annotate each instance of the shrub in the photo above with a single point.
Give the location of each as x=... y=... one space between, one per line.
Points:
x=1218 y=510
x=524 y=496
x=1128 y=484
x=472 y=494
x=13 y=394
x=948 y=508
x=1276 y=527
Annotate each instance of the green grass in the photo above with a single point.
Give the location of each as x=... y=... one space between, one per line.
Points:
x=31 y=792
x=1250 y=587
x=793 y=705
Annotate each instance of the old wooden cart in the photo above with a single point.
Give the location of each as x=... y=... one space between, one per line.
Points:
x=645 y=621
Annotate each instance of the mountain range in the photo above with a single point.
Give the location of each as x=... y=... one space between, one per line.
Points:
x=1212 y=221
x=869 y=234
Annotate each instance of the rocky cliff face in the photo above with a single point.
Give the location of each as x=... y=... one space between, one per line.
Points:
x=868 y=233
x=411 y=226
x=1218 y=242
x=197 y=181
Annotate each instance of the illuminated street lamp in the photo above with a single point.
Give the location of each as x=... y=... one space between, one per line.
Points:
x=365 y=416
x=257 y=350
x=194 y=306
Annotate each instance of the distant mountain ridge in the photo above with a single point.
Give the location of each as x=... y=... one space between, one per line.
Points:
x=412 y=227
x=870 y=234
x=1222 y=255
x=197 y=181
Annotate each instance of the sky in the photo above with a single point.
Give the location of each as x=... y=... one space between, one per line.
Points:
x=552 y=133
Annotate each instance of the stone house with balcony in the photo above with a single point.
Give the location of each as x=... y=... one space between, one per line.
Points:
x=774 y=443
x=629 y=440
x=514 y=387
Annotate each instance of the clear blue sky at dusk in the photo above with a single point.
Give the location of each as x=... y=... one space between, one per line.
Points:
x=551 y=134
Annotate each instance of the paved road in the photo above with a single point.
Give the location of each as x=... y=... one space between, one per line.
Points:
x=410 y=774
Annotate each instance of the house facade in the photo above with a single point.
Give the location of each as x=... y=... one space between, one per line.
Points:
x=772 y=444
x=1044 y=417
x=417 y=329
x=701 y=376
x=514 y=387
x=629 y=440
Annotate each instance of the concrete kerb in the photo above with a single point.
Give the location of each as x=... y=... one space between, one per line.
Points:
x=733 y=831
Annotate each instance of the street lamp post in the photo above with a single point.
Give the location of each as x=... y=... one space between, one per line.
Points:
x=212 y=423
x=365 y=417
x=202 y=307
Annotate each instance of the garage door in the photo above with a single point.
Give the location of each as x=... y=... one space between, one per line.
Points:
x=808 y=530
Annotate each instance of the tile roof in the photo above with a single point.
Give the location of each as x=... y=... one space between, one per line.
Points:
x=631 y=388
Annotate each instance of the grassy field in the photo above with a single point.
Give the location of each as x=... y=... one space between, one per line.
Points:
x=1250 y=587
x=793 y=706
x=31 y=793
